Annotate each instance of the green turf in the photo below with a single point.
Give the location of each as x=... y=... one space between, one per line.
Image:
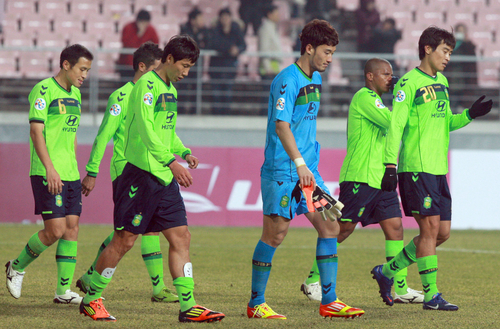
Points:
x=468 y=276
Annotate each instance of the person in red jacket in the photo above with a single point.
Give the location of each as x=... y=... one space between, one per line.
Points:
x=134 y=34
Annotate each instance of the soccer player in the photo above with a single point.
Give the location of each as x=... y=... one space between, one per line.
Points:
x=361 y=173
x=292 y=155
x=421 y=123
x=147 y=196
x=55 y=108
x=146 y=58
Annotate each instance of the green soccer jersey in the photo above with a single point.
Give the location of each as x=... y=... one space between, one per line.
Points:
x=150 y=138
x=367 y=125
x=112 y=126
x=59 y=110
x=421 y=122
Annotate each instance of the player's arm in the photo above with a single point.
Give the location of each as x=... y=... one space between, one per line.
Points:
x=287 y=139
x=184 y=152
x=371 y=108
x=54 y=183
x=479 y=108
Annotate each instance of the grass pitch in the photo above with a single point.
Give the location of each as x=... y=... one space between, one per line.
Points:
x=468 y=276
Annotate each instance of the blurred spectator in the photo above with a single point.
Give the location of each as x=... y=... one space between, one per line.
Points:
x=195 y=27
x=270 y=41
x=319 y=9
x=228 y=40
x=462 y=75
x=367 y=18
x=384 y=38
x=297 y=8
x=251 y=13
x=134 y=34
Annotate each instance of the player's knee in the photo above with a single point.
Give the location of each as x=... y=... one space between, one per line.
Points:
x=442 y=237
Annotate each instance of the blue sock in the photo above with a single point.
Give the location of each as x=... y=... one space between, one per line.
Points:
x=326 y=256
x=261 y=268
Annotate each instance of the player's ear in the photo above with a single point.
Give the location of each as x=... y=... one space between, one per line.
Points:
x=428 y=50
x=170 y=59
x=309 y=49
x=142 y=67
x=66 y=65
x=369 y=76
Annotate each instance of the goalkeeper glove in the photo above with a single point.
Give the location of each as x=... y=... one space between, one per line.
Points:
x=394 y=81
x=318 y=200
x=480 y=108
x=390 y=179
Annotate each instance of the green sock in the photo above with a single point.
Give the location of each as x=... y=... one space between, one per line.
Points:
x=313 y=274
x=427 y=268
x=402 y=260
x=97 y=284
x=153 y=258
x=392 y=248
x=33 y=249
x=66 y=263
x=185 y=287
x=91 y=269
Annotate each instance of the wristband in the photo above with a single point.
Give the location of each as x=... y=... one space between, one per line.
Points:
x=299 y=162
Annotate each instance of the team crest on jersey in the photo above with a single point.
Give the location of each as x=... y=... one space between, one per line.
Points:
x=427 y=202
x=361 y=211
x=58 y=200
x=40 y=104
x=148 y=99
x=317 y=92
x=137 y=220
x=280 y=104
x=115 y=110
x=284 y=201
x=379 y=104
x=400 y=96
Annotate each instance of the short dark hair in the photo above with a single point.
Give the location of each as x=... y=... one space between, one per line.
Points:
x=269 y=9
x=73 y=53
x=147 y=53
x=316 y=33
x=143 y=15
x=433 y=36
x=181 y=47
x=194 y=13
x=224 y=10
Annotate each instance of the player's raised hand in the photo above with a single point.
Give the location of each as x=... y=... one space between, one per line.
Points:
x=192 y=161
x=88 y=185
x=54 y=183
x=181 y=174
x=480 y=108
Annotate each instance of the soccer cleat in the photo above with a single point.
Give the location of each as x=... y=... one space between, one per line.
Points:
x=439 y=304
x=199 y=313
x=339 y=309
x=312 y=290
x=69 y=297
x=165 y=296
x=385 y=285
x=413 y=297
x=14 y=280
x=96 y=310
x=83 y=284
x=263 y=311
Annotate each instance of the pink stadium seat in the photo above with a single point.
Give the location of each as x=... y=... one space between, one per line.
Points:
x=34 y=65
x=53 y=8
x=19 y=6
x=8 y=64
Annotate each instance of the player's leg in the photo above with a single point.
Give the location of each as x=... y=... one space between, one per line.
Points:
x=153 y=259
x=327 y=259
x=84 y=281
x=66 y=262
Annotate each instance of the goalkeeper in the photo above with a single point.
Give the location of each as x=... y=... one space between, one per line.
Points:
x=291 y=155
x=360 y=177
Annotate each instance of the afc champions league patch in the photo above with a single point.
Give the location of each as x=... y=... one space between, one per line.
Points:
x=115 y=110
x=379 y=104
x=40 y=104
x=148 y=99
x=400 y=96
x=280 y=104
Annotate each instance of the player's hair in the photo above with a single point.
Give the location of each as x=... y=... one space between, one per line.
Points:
x=373 y=63
x=143 y=16
x=433 y=36
x=316 y=33
x=73 y=53
x=181 y=47
x=147 y=53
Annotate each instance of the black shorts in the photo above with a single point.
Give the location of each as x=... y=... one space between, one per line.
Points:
x=367 y=205
x=425 y=194
x=68 y=202
x=143 y=204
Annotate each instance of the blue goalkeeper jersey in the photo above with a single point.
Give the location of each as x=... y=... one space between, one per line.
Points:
x=294 y=98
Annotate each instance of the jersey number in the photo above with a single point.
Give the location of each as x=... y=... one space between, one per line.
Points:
x=62 y=107
x=429 y=94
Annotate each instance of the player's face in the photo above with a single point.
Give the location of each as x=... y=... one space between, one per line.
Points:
x=78 y=73
x=382 y=77
x=179 y=70
x=322 y=57
x=439 y=58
